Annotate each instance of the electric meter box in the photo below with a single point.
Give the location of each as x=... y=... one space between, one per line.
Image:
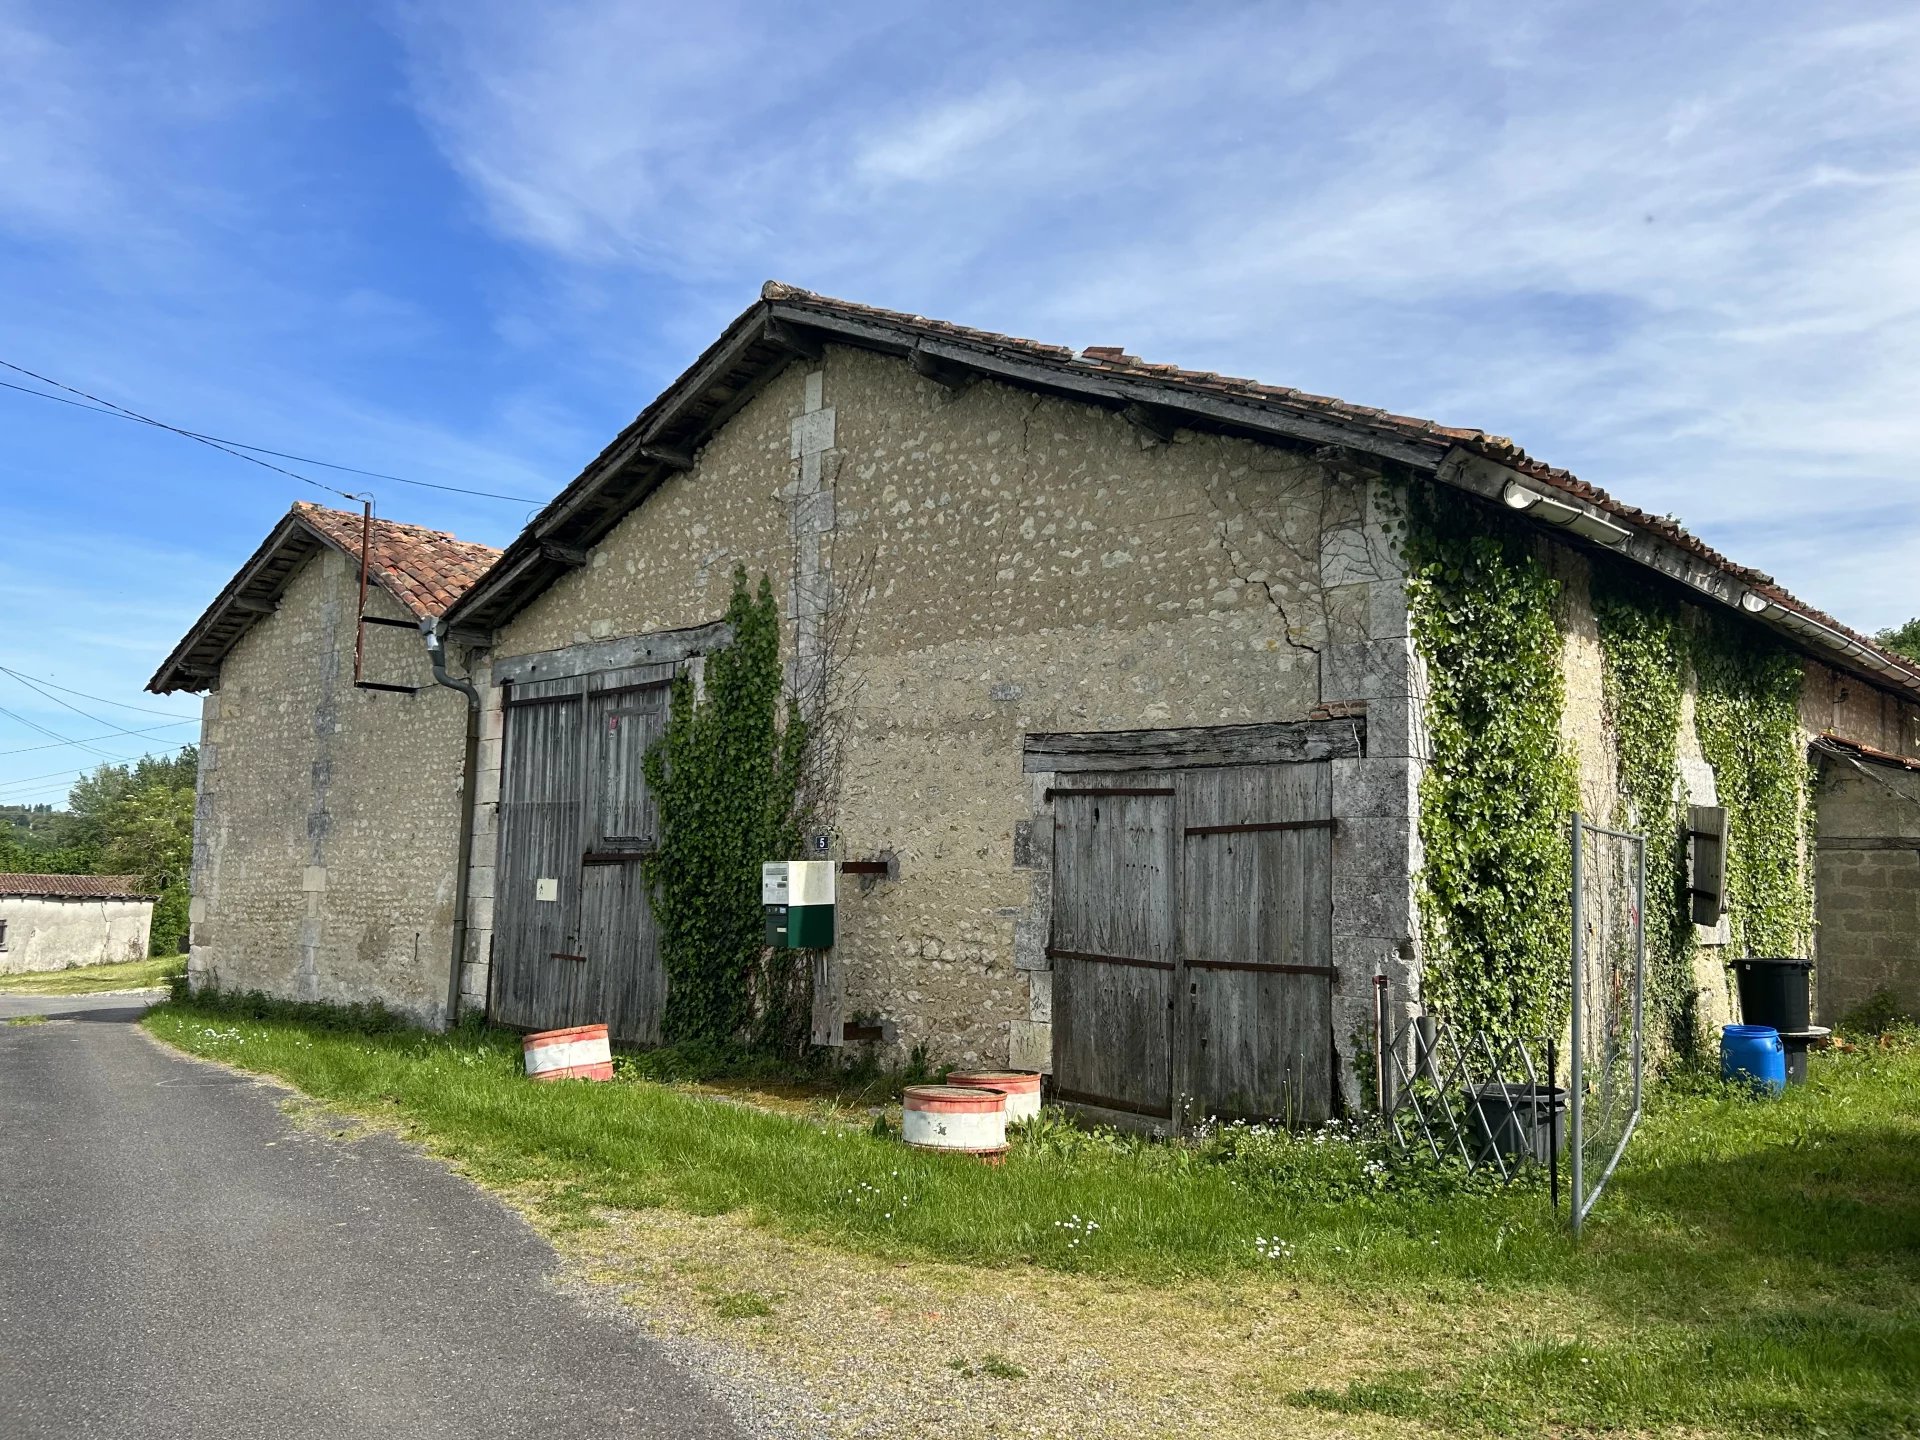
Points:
x=797 y=899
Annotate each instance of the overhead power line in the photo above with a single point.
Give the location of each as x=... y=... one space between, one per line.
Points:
x=58 y=744
x=69 y=690
x=237 y=448
x=28 y=783
x=55 y=734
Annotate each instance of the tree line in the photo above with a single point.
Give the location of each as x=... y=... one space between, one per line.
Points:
x=131 y=819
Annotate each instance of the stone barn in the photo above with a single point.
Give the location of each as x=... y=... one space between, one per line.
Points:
x=326 y=860
x=55 y=922
x=1139 y=710
x=1158 y=715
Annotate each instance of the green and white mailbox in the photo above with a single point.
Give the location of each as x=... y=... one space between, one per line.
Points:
x=797 y=898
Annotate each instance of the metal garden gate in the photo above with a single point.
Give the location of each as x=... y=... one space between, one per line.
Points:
x=574 y=940
x=1192 y=942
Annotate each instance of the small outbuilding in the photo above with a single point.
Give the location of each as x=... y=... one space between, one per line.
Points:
x=55 y=922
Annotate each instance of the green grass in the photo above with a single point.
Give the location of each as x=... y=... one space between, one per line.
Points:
x=1754 y=1267
x=24 y=1020
x=93 y=979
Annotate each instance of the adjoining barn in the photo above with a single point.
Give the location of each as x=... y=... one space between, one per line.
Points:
x=1162 y=695
x=55 y=922
x=326 y=854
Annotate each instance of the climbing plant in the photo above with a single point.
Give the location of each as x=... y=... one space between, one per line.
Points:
x=1644 y=650
x=1748 y=716
x=725 y=774
x=1499 y=784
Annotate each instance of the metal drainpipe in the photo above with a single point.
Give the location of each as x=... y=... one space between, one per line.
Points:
x=436 y=652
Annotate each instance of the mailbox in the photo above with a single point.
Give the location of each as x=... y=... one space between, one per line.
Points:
x=797 y=899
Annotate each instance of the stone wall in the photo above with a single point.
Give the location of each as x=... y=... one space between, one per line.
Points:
x=1868 y=886
x=1859 y=935
x=48 y=933
x=327 y=817
x=1008 y=564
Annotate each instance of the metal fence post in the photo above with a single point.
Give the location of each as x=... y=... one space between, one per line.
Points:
x=1575 y=1103
x=1639 y=969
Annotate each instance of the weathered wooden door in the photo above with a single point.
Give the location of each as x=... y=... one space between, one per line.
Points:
x=1256 y=941
x=574 y=938
x=1192 y=942
x=1113 y=944
x=537 y=880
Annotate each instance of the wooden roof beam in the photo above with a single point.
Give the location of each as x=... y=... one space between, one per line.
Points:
x=1152 y=421
x=942 y=372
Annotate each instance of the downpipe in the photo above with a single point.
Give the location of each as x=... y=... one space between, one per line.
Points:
x=437 y=654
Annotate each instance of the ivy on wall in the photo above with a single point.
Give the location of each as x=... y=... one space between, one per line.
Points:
x=725 y=774
x=1645 y=653
x=1494 y=800
x=1748 y=716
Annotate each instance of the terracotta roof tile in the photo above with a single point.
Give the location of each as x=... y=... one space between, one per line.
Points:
x=425 y=570
x=76 y=887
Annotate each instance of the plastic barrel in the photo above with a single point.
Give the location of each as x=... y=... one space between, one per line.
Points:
x=1754 y=1054
x=954 y=1117
x=1021 y=1087
x=577 y=1053
x=1774 y=992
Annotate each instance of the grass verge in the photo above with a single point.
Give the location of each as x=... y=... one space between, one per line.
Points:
x=1754 y=1269
x=96 y=979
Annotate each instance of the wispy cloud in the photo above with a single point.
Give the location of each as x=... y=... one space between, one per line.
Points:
x=1673 y=256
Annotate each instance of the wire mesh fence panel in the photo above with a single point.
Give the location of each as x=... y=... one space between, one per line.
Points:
x=1606 y=992
x=1474 y=1096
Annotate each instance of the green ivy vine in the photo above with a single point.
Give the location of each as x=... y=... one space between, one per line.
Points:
x=1748 y=717
x=1645 y=651
x=1499 y=784
x=725 y=774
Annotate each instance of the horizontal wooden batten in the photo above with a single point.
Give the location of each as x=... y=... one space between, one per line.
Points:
x=391 y=624
x=614 y=857
x=389 y=689
x=1278 y=742
x=1093 y=959
x=1124 y=790
x=1109 y=1102
x=1256 y=827
x=563 y=955
x=1266 y=968
x=663 y=647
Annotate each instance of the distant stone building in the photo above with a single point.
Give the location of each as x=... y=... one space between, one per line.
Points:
x=329 y=799
x=1137 y=727
x=55 y=922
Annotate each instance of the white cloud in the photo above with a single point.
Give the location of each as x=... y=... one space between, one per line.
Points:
x=1675 y=257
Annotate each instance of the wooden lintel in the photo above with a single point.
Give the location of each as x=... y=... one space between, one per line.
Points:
x=794 y=341
x=1152 y=421
x=673 y=457
x=1274 y=743
x=564 y=554
x=941 y=372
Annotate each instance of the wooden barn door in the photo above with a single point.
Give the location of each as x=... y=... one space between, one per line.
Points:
x=537 y=883
x=626 y=712
x=1256 y=941
x=574 y=939
x=1192 y=942
x=1113 y=945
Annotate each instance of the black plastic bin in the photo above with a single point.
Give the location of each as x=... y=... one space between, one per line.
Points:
x=1775 y=992
x=1516 y=1120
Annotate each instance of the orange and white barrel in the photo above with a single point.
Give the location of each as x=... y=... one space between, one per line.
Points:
x=960 y=1118
x=1021 y=1087
x=578 y=1053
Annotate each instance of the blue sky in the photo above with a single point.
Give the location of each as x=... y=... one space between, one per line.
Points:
x=1670 y=247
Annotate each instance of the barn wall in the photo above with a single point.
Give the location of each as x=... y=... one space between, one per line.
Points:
x=1865 y=910
x=328 y=816
x=1868 y=887
x=1018 y=564
x=46 y=933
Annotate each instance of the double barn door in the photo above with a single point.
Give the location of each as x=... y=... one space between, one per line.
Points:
x=1192 y=942
x=574 y=940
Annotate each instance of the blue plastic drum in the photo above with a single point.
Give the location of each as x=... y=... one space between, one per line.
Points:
x=1753 y=1055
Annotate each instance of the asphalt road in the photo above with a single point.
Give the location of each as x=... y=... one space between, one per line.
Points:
x=177 y=1259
